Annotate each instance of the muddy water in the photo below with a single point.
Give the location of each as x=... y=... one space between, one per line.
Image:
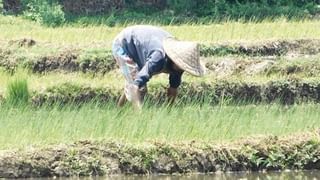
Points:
x=223 y=176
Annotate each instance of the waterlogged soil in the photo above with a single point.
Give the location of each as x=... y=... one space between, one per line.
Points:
x=267 y=48
x=29 y=53
x=287 y=92
x=294 y=59
x=92 y=158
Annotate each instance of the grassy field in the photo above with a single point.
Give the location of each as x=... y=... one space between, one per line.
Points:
x=41 y=84
x=24 y=126
x=17 y=28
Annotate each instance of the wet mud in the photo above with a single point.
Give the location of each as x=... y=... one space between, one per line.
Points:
x=93 y=158
x=286 y=92
x=269 y=48
x=101 y=60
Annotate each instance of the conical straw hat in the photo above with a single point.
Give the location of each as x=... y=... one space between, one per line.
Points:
x=186 y=55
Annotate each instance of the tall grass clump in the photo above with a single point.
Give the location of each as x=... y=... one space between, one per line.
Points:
x=1 y=6
x=18 y=92
x=46 y=12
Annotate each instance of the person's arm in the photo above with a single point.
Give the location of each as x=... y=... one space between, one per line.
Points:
x=174 y=81
x=117 y=49
x=155 y=63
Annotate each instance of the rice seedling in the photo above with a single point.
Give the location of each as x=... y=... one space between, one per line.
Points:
x=17 y=92
x=25 y=125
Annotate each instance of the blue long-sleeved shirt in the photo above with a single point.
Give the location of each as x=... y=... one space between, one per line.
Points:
x=144 y=44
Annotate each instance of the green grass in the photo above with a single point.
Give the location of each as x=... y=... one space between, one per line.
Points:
x=23 y=126
x=1 y=5
x=39 y=82
x=18 y=92
x=229 y=31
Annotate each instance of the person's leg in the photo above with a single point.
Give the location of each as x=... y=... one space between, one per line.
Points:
x=124 y=70
x=129 y=69
x=120 y=57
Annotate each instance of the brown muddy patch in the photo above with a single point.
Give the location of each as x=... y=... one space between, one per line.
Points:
x=68 y=93
x=286 y=92
x=74 y=60
x=65 y=61
x=23 y=42
x=93 y=158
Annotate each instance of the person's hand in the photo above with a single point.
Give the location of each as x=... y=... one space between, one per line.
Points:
x=172 y=94
x=136 y=96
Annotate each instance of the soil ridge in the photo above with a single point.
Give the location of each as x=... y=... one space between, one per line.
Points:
x=286 y=92
x=24 y=53
x=300 y=151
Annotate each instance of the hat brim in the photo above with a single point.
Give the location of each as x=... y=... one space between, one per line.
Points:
x=186 y=55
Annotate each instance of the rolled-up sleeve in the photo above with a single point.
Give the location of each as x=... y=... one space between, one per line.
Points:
x=155 y=63
x=175 y=79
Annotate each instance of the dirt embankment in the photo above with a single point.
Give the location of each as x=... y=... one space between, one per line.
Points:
x=70 y=93
x=85 y=158
x=27 y=53
x=42 y=58
x=269 y=48
x=286 y=92
x=302 y=67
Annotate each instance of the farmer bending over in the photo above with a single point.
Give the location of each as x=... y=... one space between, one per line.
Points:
x=143 y=51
